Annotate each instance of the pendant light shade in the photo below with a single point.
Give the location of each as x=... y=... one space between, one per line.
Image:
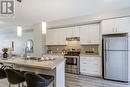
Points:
x=44 y=27
x=19 y=31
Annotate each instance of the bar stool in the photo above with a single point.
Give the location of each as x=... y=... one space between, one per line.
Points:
x=15 y=77
x=39 y=80
x=2 y=72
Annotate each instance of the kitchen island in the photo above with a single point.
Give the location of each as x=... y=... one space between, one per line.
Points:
x=51 y=67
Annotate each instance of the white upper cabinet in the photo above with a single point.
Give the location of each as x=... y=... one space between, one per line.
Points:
x=123 y=25
x=61 y=38
x=72 y=31
x=55 y=37
x=49 y=37
x=118 y=25
x=89 y=34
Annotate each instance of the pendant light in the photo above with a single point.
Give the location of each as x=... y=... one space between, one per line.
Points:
x=19 y=31
x=44 y=27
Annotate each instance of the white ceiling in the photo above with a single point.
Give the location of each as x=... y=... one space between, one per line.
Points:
x=30 y=12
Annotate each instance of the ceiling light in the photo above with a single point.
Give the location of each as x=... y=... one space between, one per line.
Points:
x=44 y=27
x=19 y=31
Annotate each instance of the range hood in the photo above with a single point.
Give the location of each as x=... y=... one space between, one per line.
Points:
x=73 y=39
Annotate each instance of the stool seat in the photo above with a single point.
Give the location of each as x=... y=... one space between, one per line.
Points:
x=14 y=76
x=48 y=78
x=2 y=71
x=2 y=74
x=39 y=80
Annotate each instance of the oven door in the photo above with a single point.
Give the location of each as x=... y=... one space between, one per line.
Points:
x=71 y=61
x=72 y=65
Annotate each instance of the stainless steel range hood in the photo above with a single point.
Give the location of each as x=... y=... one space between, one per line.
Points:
x=73 y=39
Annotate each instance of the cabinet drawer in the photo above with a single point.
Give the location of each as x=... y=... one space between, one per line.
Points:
x=87 y=63
x=90 y=65
x=91 y=68
x=90 y=72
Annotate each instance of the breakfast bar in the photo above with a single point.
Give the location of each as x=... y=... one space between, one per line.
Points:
x=51 y=67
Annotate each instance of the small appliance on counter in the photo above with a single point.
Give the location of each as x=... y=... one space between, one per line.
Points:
x=72 y=62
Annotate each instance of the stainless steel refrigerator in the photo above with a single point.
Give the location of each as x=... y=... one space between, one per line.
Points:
x=115 y=51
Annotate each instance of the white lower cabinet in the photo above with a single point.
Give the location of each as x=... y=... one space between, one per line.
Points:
x=91 y=66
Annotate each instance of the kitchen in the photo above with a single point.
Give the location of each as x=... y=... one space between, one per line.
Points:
x=95 y=48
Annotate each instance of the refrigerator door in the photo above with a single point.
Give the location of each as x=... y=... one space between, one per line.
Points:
x=116 y=65
x=116 y=44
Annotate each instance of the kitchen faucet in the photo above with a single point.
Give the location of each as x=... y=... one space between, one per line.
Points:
x=25 y=55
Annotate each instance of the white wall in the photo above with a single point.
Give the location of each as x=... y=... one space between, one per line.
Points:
x=39 y=40
x=19 y=42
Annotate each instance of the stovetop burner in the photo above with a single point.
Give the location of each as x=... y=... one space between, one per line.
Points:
x=72 y=53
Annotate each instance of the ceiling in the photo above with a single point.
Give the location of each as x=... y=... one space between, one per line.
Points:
x=29 y=12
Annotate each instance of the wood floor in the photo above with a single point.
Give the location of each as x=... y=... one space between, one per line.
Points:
x=86 y=81
x=73 y=80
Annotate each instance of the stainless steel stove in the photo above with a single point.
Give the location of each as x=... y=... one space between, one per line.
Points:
x=72 y=62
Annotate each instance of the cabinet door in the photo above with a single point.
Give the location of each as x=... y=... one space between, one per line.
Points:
x=108 y=26
x=84 y=34
x=68 y=31
x=91 y=66
x=50 y=37
x=72 y=32
x=60 y=37
x=94 y=34
x=118 y=25
x=75 y=31
x=89 y=34
x=122 y=25
x=56 y=37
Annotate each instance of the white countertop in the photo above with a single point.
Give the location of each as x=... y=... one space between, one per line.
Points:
x=51 y=64
x=90 y=55
x=54 y=54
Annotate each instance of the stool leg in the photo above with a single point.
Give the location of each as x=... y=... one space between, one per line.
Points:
x=22 y=84
x=9 y=85
x=53 y=83
x=18 y=85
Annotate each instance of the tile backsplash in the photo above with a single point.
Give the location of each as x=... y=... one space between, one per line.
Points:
x=85 y=49
x=56 y=48
x=73 y=45
x=90 y=49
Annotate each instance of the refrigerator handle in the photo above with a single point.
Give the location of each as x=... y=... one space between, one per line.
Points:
x=104 y=44
x=104 y=50
x=105 y=56
x=126 y=43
